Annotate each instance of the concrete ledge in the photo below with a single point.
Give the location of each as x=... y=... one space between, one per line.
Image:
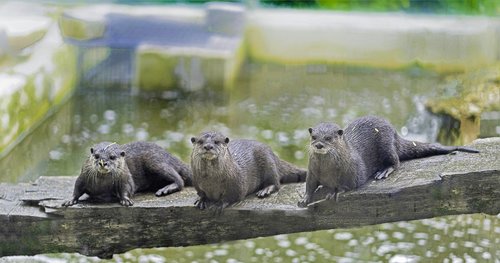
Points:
x=32 y=220
x=188 y=68
x=90 y=22
x=176 y=46
x=282 y=36
x=21 y=25
x=34 y=87
x=388 y=40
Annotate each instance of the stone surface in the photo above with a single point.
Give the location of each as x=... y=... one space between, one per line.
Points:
x=181 y=45
x=443 y=43
x=469 y=102
x=32 y=220
x=175 y=46
x=34 y=86
x=21 y=25
x=90 y=22
x=188 y=68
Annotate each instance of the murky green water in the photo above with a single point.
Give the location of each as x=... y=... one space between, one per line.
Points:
x=276 y=105
x=273 y=104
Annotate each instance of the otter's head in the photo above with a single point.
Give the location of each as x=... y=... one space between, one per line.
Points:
x=106 y=157
x=325 y=137
x=209 y=145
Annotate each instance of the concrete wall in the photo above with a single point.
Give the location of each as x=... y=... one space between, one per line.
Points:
x=37 y=70
x=442 y=43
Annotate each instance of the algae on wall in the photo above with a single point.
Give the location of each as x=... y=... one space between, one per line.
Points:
x=35 y=87
x=465 y=98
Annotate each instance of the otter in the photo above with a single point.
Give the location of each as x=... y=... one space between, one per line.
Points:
x=112 y=170
x=344 y=159
x=225 y=172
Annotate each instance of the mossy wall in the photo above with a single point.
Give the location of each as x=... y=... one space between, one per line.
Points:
x=383 y=40
x=36 y=86
x=189 y=69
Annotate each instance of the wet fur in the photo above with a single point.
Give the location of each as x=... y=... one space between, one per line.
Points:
x=238 y=168
x=133 y=167
x=367 y=147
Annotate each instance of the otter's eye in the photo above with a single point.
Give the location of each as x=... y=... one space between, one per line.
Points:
x=96 y=156
x=112 y=157
x=217 y=142
x=313 y=137
x=328 y=138
x=200 y=142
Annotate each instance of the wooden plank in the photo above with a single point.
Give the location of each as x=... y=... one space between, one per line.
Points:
x=32 y=220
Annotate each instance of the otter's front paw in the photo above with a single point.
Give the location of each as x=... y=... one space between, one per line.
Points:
x=266 y=191
x=70 y=202
x=304 y=202
x=169 y=189
x=126 y=202
x=333 y=195
x=201 y=203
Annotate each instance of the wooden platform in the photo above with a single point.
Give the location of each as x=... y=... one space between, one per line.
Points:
x=32 y=220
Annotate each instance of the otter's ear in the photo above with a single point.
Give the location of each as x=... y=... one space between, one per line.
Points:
x=193 y=140
x=226 y=140
x=122 y=154
x=92 y=150
x=310 y=130
x=340 y=132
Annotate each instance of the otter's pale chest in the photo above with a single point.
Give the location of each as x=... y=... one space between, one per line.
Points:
x=211 y=182
x=325 y=170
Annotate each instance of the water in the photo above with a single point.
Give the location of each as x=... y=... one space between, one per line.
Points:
x=276 y=105
x=446 y=239
x=270 y=103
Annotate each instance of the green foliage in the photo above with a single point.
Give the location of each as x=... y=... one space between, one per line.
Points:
x=373 y=5
x=469 y=7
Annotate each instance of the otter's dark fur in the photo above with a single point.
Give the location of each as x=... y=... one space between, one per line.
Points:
x=343 y=160
x=112 y=170
x=224 y=171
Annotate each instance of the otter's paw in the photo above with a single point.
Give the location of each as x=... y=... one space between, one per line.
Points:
x=333 y=195
x=330 y=196
x=384 y=173
x=169 y=189
x=201 y=203
x=219 y=207
x=126 y=202
x=266 y=191
x=70 y=202
x=304 y=202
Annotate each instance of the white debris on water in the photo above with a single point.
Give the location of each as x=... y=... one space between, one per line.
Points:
x=343 y=236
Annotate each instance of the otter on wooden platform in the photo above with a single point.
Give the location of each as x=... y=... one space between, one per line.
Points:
x=224 y=171
x=112 y=171
x=344 y=159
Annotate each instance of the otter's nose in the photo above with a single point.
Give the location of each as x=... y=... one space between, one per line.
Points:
x=319 y=146
x=208 y=147
x=102 y=163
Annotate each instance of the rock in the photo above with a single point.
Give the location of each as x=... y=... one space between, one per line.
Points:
x=466 y=97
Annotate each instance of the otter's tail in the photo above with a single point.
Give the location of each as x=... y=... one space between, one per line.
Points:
x=289 y=173
x=408 y=150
